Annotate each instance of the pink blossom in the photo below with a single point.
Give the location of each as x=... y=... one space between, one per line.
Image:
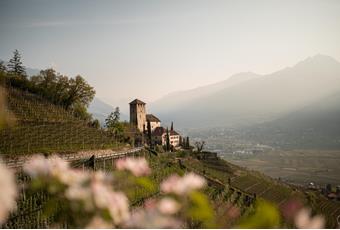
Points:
x=303 y=219
x=37 y=166
x=119 y=207
x=41 y=166
x=72 y=177
x=116 y=202
x=137 y=166
x=290 y=208
x=233 y=211
x=151 y=218
x=180 y=186
x=150 y=203
x=168 y=206
x=8 y=193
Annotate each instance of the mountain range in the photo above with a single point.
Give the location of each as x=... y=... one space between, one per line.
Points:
x=248 y=99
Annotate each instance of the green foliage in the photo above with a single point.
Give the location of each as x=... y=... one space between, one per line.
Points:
x=200 y=209
x=113 y=125
x=42 y=126
x=167 y=140
x=74 y=94
x=266 y=215
x=95 y=124
x=2 y=67
x=146 y=183
x=15 y=66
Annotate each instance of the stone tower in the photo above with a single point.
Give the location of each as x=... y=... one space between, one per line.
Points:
x=138 y=114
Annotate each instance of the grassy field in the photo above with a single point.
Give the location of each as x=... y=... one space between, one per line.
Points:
x=298 y=166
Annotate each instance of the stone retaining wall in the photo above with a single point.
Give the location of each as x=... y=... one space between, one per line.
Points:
x=17 y=161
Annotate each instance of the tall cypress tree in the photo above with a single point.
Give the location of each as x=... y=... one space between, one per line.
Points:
x=149 y=133
x=167 y=139
x=15 y=65
x=172 y=126
x=187 y=143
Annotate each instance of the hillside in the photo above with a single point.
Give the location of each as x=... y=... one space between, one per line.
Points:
x=245 y=182
x=227 y=184
x=260 y=99
x=43 y=127
x=313 y=126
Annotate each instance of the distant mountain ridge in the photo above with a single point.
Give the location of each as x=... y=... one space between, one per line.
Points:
x=180 y=98
x=258 y=99
x=101 y=110
x=314 y=126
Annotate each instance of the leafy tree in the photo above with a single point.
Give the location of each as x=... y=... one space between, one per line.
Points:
x=80 y=111
x=95 y=124
x=199 y=145
x=79 y=92
x=183 y=142
x=15 y=65
x=113 y=125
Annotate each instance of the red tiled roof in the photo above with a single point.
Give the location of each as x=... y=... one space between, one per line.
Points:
x=159 y=131
x=152 y=118
x=137 y=101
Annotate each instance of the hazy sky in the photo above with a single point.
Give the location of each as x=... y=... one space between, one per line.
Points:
x=124 y=47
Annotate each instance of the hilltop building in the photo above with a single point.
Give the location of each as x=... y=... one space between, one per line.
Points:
x=159 y=137
x=140 y=119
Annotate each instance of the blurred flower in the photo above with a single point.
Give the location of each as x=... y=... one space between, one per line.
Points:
x=137 y=166
x=182 y=185
x=98 y=222
x=151 y=218
x=290 y=208
x=37 y=166
x=150 y=203
x=8 y=193
x=72 y=177
x=168 y=206
x=303 y=219
x=80 y=193
x=119 y=207
x=105 y=198
x=233 y=211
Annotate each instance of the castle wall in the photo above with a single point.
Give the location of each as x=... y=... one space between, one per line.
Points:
x=138 y=116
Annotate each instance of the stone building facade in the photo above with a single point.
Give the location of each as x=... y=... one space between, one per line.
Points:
x=138 y=114
x=140 y=119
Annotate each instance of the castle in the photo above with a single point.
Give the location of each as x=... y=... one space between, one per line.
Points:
x=140 y=119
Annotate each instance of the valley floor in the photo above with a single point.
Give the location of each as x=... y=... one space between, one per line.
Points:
x=296 y=166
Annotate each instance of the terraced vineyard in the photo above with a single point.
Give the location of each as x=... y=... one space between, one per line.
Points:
x=250 y=182
x=43 y=127
x=331 y=209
